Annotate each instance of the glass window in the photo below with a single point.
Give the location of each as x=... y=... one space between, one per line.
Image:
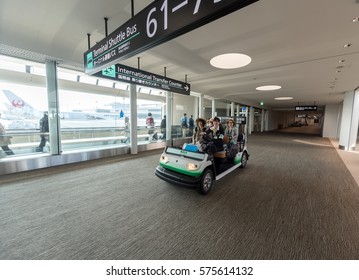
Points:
x=91 y=120
x=88 y=80
x=92 y=116
x=64 y=74
x=11 y=64
x=21 y=108
x=149 y=116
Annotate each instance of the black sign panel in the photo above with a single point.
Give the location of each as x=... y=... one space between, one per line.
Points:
x=131 y=75
x=306 y=108
x=159 y=22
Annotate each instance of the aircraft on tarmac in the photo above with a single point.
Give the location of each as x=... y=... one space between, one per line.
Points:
x=18 y=106
x=18 y=114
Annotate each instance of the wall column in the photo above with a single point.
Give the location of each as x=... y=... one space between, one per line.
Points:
x=251 y=120
x=196 y=107
x=133 y=118
x=53 y=107
x=246 y=114
x=169 y=115
x=349 y=123
x=213 y=108
x=232 y=110
x=200 y=105
x=262 y=120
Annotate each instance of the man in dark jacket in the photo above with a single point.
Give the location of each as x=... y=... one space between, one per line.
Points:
x=163 y=127
x=190 y=125
x=44 y=130
x=216 y=134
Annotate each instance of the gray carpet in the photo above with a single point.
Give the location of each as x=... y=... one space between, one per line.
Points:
x=294 y=200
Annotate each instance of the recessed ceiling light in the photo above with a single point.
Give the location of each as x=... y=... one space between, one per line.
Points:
x=342 y=60
x=283 y=98
x=269 y=87
x=347 y=45
x=356 y=19
x=230 y=60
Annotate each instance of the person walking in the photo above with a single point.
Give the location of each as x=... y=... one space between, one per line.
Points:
x=44 y=132
x=163 y=127
x=5 y=140
x=184 y=125
x=150 y=123
x=190 y=125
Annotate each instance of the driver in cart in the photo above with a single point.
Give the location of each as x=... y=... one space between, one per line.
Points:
x=216 y=134
x=199 y=137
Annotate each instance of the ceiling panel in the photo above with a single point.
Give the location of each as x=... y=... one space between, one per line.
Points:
x=295 y=44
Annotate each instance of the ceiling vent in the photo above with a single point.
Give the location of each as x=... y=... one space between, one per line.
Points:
x=37 y=57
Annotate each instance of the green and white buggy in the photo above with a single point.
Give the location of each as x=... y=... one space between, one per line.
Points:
x=189 y=167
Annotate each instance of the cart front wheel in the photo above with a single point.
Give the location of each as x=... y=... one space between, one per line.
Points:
x=206 y=182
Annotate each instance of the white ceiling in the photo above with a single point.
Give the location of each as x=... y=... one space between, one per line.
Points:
x=294 y=44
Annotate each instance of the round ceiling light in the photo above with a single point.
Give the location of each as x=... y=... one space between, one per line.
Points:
x=269 y=87
x=230 y=60
x=283 y=98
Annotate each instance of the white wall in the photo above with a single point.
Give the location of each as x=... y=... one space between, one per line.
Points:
x=331 y=121
x=274 y=118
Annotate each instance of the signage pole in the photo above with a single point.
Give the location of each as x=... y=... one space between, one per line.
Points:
x=88 y=40
x=106 y=29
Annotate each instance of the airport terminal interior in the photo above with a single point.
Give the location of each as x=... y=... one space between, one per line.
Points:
x=80 y=150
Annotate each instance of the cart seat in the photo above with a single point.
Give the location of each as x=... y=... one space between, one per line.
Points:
x=221 y=154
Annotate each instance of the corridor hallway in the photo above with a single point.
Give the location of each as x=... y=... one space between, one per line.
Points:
x=296 y=199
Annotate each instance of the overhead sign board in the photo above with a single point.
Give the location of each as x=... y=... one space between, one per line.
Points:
x=306 y=108
x=119 y=72
x=241 y=120
x=159 y=22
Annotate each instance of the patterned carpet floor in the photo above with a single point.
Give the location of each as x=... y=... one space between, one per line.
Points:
x=295 y=200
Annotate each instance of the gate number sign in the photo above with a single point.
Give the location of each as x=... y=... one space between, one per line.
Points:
x=159 y=22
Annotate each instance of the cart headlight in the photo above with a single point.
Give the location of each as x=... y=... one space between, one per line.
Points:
x=164 y=159
x=192 y=166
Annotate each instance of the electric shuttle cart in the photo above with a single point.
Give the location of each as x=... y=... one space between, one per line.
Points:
x=189 y=167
